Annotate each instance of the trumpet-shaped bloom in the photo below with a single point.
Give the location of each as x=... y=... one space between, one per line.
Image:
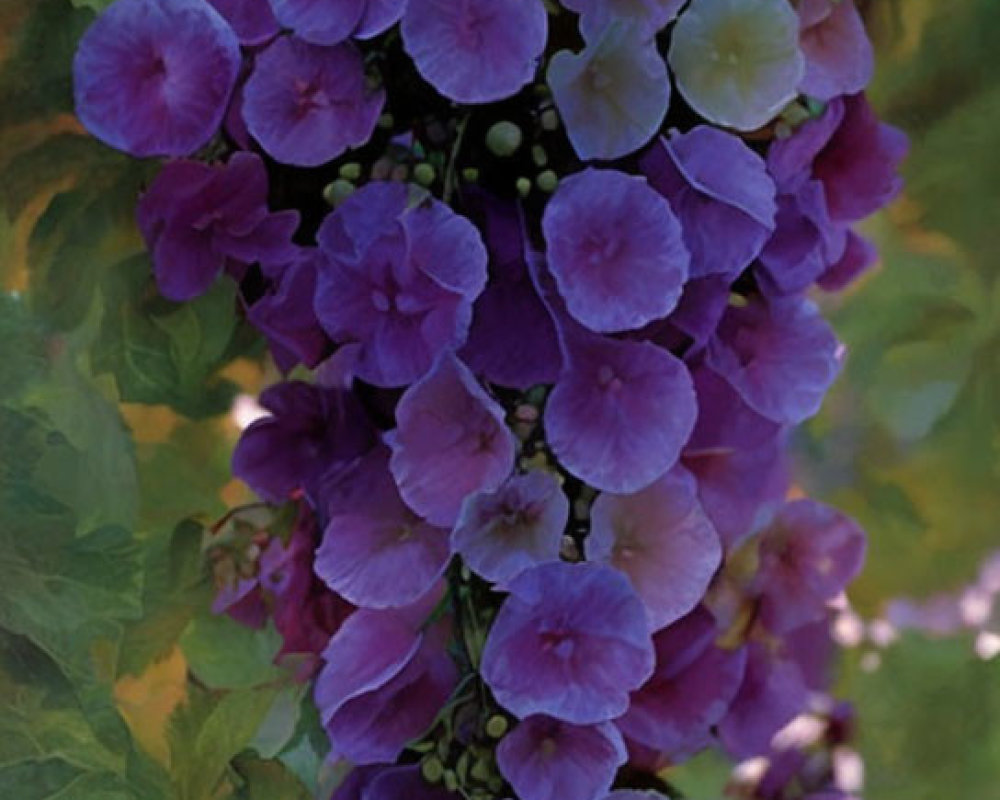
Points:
x=376 y=552
x=839 y=57
x=615 y=250
x=662 y=540
x=330 y=22
x=649 y=16
x=721 y=192
x=153 y=77
x=546 y=759
x=307 y=104
x=500 y=534
x=475 y=51
x=451 y=442
x=401 y=281
x=737 y=62
x=781 y=357
x=571 y=641
x=613 y=95
x=251 y=20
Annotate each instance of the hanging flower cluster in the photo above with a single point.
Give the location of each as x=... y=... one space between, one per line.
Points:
x=548 y=265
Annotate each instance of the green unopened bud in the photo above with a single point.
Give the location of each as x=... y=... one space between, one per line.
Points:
x=550 y=119
x=539 y=156
x=547 y=181
x=450 y=781
x=386 y=121
x=337 y=192
x=350 y=171
x=470 y=174
x=424 y=174
x=432 y=770
x=503 y=138
x=523 y=187
x=497 y=726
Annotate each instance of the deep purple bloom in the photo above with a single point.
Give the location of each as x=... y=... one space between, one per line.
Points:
x=197 y=219
x=649 y=16
x=503 y=533
x=512 y=341
x=839 y=56
x=570 y=641
x=153 y=77
x=384 y=681
x=673 y=713
x=546 y=759
x=396 y=783
x=780 y=356
x=634 y=794
x=451 y=442
x=307 y=104
x=615 y=250
x=332 y=21
x=859 y=256
x=376 y=552
x=251 y=20
x=401 y=281
x=475 y=51
x=310 y=430
x=613 y=95
x=661 y=538
x=285 y=315
x=721 y=193
x=807 y=556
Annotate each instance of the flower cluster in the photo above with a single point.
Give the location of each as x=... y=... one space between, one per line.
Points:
x=549 y=267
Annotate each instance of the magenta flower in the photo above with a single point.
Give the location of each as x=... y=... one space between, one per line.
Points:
x=839 y=57
x=153 y=77
x=376 y=552
x=251 y=20
x=721 y=193
x=781 y=357
x=649 y=16
x=401 y=281
x=306 y=104
x=662 y=540
x=695 y=681
x=501 y=534
x=451 y=442
x=615 y=250
x=613 y=95
x=475 y=51
x=570 y=641
x=330 y=22
x=197 y=219
x=546 y=759
x=807 y=556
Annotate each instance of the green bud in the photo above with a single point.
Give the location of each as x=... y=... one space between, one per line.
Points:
x=523 y=187
x=350 y=171
x=450 y=781
x=424 y=174
x=337 y=192
x=547 y=181
x=539 y=156
x=470 y=174
x=503 y=138
x=386 y=121
x=432 y=770
x=497 y=726
x=550 y=119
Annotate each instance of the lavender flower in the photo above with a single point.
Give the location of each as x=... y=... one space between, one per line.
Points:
x=153 y=77
x=649 y=16
x=400 y=782
x=251 y=20
x=329 y=22
x=839 y=57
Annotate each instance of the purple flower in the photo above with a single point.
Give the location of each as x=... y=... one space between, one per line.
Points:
x=376 y=552
x=649 y=16
x=807 y=556
x=613 y=95
x=306 y=104
x=285 y=315
x=634 y=794
x=570 y=641
x=396 y=783
x=546 y=759
x=385 y=679
x=401 y=281
x=737 y=62
x=330 y=22
x=451 y=442
x=503 y=533
x=859 y=256
x=251 y=20
x=781 y=357
x=196 y=219
x=721 y=192
x=153 y=77
x=310 y=430
x=695 y=681
x=615 y=250
x=662 y=540
x=475 y=51
x=512 y=341
x=839 y=56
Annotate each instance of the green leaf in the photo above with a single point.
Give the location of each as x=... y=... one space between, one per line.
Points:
x=223 y=654
x=268 y=780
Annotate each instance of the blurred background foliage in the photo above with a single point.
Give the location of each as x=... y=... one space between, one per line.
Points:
x=116 y=682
